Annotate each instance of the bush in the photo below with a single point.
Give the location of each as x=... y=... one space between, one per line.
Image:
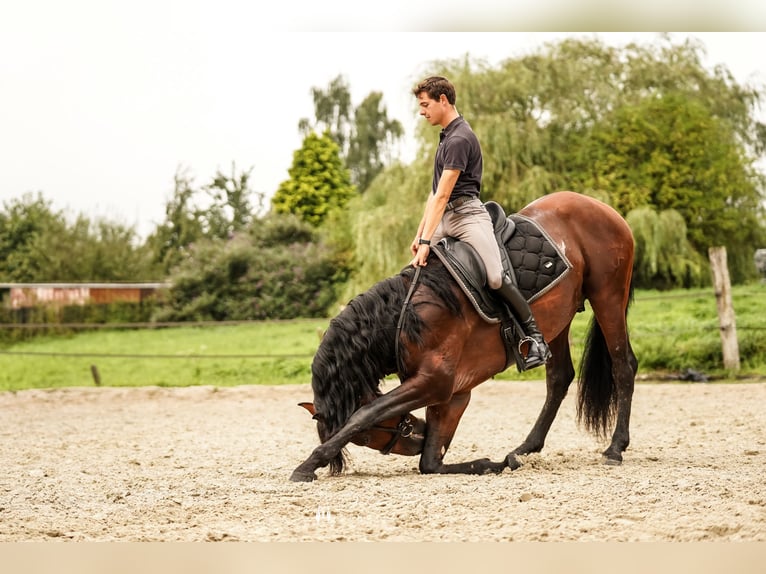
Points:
x=278 y=271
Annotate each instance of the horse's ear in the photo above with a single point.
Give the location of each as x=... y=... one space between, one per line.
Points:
x=309 y=407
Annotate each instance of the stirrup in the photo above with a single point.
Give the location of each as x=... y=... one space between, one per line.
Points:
x=536 y=360
x=526 y=339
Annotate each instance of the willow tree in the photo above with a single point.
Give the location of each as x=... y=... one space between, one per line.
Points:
x=381 y=224
x=665 y=259
x=640 y=126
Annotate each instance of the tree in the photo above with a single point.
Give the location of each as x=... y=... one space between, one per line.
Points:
x=218 y=209
x=318 y=184
x=39 y=244
x=231 y=209
x=97 y=250
x=365 y=135
x=372 y=141
x=637 y=126
x=182 y=226
x=332 y=111
x=24 y=223
x=670 y=152
x=664 y=257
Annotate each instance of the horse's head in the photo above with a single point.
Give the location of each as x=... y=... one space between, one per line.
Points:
x=398 y=435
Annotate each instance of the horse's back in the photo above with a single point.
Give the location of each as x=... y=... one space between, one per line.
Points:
x=584 y=228
x=567 y=210
x=595 y=239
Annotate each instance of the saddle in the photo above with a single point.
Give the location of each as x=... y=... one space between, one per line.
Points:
x=529 y=257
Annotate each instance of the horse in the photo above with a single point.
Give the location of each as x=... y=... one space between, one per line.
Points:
x=426 y=331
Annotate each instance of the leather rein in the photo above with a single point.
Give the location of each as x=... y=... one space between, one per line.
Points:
x=404 y=428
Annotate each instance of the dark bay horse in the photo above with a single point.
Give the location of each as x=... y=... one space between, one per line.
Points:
x=439 y=346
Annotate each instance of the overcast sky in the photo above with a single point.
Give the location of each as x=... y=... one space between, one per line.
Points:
x=101 y=102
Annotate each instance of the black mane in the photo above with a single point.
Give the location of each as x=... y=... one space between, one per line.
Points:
x=359 y=348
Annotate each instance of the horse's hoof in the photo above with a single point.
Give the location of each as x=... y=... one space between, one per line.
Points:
x=608 y=461
x=512 y=461
x=297 y=476
x=492 y=467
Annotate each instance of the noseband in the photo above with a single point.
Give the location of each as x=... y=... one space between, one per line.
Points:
x=402 y=430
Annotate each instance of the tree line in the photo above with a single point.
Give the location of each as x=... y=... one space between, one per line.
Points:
x=671 y=145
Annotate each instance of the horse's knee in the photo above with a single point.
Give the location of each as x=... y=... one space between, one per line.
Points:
x=428 y=465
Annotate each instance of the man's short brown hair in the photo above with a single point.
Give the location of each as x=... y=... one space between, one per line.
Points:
x=434 y=87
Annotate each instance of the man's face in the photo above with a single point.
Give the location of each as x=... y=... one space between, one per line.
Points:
x=431 y=110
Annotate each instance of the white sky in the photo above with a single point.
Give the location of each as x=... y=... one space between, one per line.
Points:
x=101 y=102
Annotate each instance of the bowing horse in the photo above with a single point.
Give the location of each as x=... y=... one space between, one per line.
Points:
x=443 y=333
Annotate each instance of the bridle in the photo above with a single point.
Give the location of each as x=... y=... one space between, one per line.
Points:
x=405 y=427
x=402 y=430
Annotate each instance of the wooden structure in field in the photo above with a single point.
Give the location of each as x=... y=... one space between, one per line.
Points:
x=726 y=318
x=22 y=295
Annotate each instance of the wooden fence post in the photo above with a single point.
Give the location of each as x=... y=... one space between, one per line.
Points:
x=726 y=320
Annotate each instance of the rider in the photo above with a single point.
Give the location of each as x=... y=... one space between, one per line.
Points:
x=454 y=209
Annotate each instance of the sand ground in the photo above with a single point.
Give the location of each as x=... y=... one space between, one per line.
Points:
x=213 y=464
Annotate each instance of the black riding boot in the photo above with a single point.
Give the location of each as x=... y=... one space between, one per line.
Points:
x=538 y=353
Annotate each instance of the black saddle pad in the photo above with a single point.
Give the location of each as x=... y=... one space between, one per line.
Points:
x=536 y=260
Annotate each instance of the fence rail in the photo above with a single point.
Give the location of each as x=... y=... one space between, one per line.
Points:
x=760 y=326
x=155 y=355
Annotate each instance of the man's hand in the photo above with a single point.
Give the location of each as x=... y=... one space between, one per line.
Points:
x=421 y=256
x=414 y=245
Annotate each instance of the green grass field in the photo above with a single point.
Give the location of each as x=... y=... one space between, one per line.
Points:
x=671 y=332
x=255 y=353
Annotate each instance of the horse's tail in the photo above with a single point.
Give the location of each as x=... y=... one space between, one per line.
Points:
x=597 y=400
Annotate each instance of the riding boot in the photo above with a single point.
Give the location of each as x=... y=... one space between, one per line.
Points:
x=538 y=353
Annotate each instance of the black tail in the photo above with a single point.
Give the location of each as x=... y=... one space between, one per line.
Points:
x=597 y=400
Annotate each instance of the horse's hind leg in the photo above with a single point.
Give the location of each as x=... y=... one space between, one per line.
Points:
x=613 y=358
x=559 y=374
x=624 y=367
x=441 y=423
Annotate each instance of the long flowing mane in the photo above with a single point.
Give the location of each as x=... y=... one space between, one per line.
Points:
x=359 y=348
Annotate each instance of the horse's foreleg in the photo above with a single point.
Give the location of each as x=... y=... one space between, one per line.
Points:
x=559 y=374
x=441 y=423
x=398 y=401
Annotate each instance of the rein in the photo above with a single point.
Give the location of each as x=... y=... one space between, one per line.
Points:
x=404 y=428
x=401 y=315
